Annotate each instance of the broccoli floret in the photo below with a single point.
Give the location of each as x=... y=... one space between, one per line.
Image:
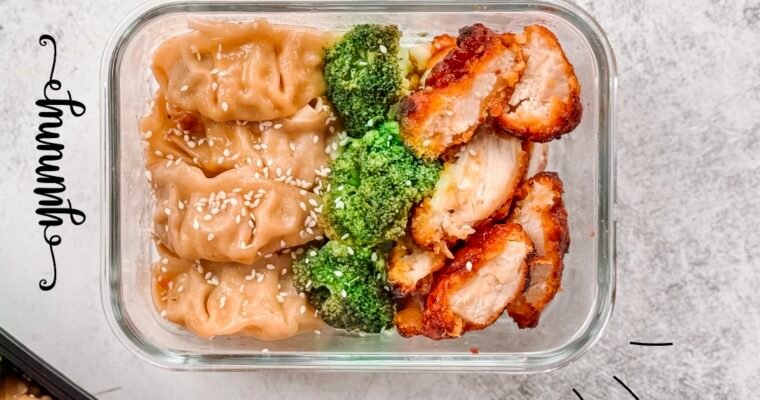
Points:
x=346 y=286
x=363 y=75
x=373 y=184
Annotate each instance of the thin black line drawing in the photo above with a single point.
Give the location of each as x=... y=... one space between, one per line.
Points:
x=651 y=344
x=626 y=388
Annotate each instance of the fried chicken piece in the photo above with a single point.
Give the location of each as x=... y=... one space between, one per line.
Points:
x=410 y=267
x=460 y=90
x=545 y=103
x=472 y=291
x=408 y=318
x=538 y=158
x=474 y=187
x=539 y=209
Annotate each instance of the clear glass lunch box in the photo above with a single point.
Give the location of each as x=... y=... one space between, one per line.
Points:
x=584 y=160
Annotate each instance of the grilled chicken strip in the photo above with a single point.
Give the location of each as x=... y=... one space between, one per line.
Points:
x=540 y=211
x=410 y=267
x=545 y=103
x=460 y=90
x=472 y=291
x=474 y=187
x=408 y=318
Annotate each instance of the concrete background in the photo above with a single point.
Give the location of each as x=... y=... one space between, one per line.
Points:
x=688 y=249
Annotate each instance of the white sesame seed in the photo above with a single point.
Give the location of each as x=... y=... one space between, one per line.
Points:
x=468 y=265
x=303 y=309
x=338 y=273
x=265 y=350
x=282 y=243
x=383 y=49
x=426 y=143
x=317 y=332
x=374 y=256
x=180 y=205
x=210 y=237
x=225 y=106
x=163 y=313
x=183 y=88
x=167 y=211
x=270 y=267
x=350 y=251
x=343 y=293
x=164 y=261
x=277 y=126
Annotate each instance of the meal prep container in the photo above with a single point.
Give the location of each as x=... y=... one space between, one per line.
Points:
x=584 y=160
x=15 y=354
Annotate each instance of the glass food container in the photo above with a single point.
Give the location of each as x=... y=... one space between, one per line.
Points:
x=584 y=160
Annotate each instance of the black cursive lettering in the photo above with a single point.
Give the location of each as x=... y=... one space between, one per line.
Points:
x=51 y=185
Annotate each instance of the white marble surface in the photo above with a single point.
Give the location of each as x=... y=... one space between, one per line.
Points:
x=688 y=247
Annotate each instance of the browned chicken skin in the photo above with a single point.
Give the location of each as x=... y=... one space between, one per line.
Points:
x=545 y=103
x=410 y=267
x=539 y=209
x=475 y=186
x=472 y=291
x=459 y=91
x=408 y=318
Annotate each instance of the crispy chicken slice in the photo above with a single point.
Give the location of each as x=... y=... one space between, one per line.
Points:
x=472 y=291
x=539 y=209
x=475 y=186
x=410 y=267
x=545 y=103
x=425 y=56
x=538 y=158
x=408 y=318
x=460 y=90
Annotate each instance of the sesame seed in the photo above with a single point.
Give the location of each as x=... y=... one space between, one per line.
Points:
x=350 y=251
x=167 y=211
x=180 y=205
x=338 y=273
x=282 y=243
x=277 y=126
x=270 y=267
x=265 y=350
x=426 y=143
x=210 y=237
x=383 y=49
x=374 y=256
x=303 y=309
x=183 y=88
x=343 y=293
x=163 y=313
x=317 y=332
x=303 y=206
x=468 y=265
x=164 y=261
x=207 y=217
x=225 y=106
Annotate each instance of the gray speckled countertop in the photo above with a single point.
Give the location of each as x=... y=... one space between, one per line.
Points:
x=688 y=138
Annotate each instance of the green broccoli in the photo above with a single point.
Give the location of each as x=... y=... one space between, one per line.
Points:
x=346 y=286
x=364 y=76
x=373 y=184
